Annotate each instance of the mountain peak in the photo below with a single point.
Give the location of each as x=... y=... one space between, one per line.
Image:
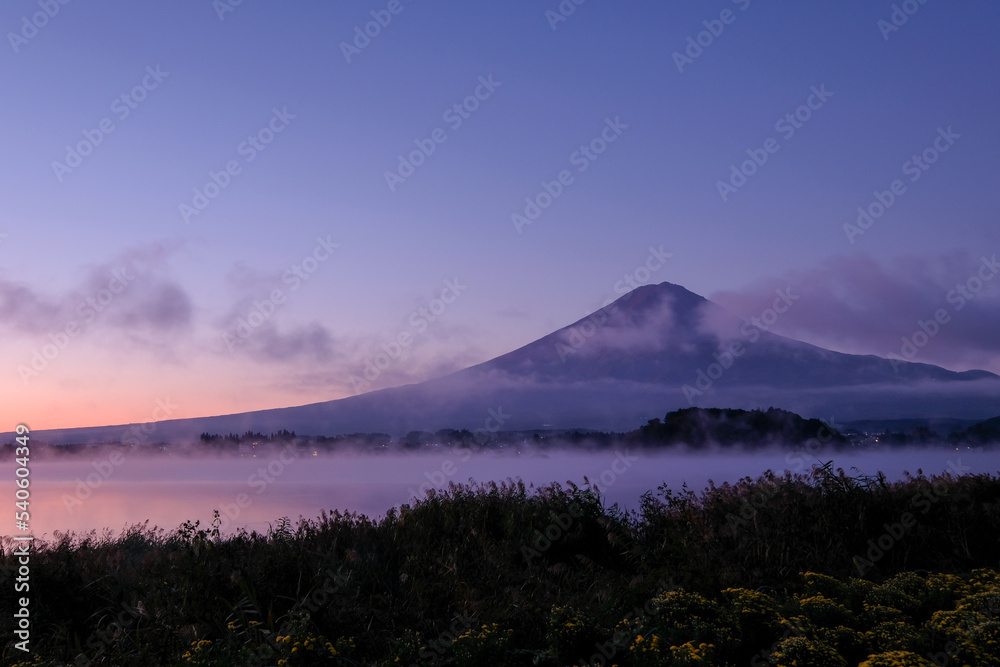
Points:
x=657 y=296
x=649 y=327
x=656 y=348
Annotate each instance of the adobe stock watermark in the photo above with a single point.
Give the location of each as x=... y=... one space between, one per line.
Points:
x=259 y=481
x=363 y=35
x=561 y=523
x=88 y=309
x=223 y=7
x=727 y=355
x=581 y=158
x=562 y=12
x=894 y=532
x=419 y=321
x=454 y=116
x=899 y=17
x=317 y=599
x=797 y=457
x=295 y=276
x=622 y=637
x=579 y=334
x=136 y=435
x=122 y=107
x=983 y=615
x=248 y=149
x=915 y=167
x=811 y=447
x=444 y=641
x=48 y=9
x=714 y=28
x=794 y=627
x=927 y=329
x=112 y=633
x=438 y=479
x=787 y=126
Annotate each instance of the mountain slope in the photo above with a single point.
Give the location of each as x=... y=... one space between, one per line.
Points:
x=658 y=348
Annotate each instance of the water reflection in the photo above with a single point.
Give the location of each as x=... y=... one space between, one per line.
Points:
x=85 y=494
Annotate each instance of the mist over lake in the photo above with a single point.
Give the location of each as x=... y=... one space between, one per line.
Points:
x=96 y=493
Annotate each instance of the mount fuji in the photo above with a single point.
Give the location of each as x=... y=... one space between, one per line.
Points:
x=655 y=349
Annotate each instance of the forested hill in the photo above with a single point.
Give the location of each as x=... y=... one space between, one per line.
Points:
x=699 y=427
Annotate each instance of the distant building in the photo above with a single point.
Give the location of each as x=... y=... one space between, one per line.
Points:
x=249 y=449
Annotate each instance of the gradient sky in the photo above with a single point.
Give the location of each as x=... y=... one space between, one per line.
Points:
x=161 y=336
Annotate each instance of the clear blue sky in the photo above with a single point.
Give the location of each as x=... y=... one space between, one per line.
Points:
x=324 y=176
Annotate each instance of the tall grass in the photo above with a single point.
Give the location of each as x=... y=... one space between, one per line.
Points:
x=491 y=565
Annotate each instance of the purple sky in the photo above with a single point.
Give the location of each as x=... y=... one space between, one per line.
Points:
x=167 y=166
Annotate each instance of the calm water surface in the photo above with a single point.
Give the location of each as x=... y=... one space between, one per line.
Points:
x=94 y=493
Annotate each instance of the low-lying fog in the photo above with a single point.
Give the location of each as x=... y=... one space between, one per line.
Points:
x=117 y=490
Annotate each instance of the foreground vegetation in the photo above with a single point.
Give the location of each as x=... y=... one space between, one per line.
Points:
x=822 y=569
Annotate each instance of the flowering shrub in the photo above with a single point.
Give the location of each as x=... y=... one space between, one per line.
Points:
x=753 y=609
x=684 y=617
x=895 y=659
x=945 y=589
x=570 y=634
x=827 y=586
x=802 y=652
x=689 y=655
x=302 y=647
x=824 y=611
x=199 y=653
x=846 y=641
x=387 y=591
x=893 y=636
x=484 y=645
x=648 y=651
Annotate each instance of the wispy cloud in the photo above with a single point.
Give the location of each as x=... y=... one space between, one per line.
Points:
x=132 y=294
x=860 y=305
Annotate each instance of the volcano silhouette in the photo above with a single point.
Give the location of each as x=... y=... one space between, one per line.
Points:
x=655 y=349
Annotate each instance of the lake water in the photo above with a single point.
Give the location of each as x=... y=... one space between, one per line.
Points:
x=114 y=492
